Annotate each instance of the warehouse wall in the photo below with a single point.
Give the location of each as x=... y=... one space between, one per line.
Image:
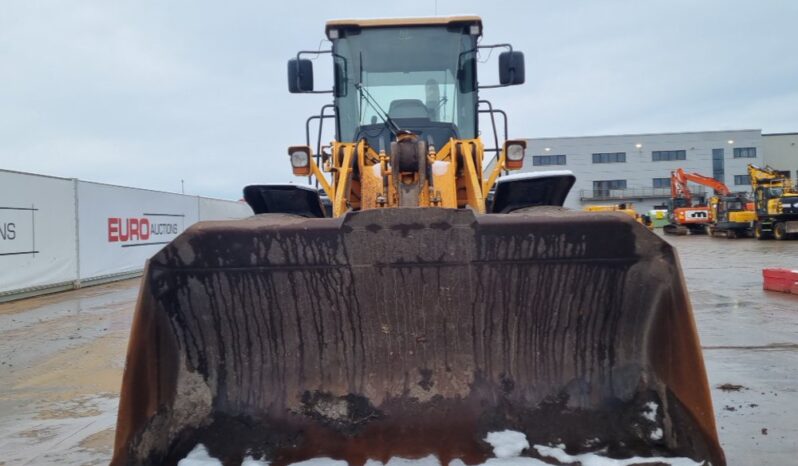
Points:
x=58 y=233
x=781 y=152
x=639 y=170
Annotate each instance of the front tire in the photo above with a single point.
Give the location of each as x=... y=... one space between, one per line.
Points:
x=780 y=231
x=759 y=233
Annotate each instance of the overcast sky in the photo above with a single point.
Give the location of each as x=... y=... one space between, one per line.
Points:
x=146 y=93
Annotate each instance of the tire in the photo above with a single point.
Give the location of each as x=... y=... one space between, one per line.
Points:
x=780 y=231
x=759 y=234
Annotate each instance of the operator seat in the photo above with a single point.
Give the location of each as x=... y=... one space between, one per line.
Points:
x=408 y=108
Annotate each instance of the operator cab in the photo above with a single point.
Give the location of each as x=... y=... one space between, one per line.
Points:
x=417 y=75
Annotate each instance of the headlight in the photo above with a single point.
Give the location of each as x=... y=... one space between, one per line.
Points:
x=515 y=152
x=299 y=159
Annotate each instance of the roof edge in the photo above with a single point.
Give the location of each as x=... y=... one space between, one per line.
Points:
x=409 y=21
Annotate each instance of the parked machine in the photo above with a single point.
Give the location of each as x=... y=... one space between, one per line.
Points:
x=726 y=214
x=415 y=320
x=776 y=204
x=686 y=213
x=731 y=215
x=627 y=208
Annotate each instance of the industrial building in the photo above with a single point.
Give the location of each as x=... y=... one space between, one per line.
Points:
x=636 y=167
x=781 y=153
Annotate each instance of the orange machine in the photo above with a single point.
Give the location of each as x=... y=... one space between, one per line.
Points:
x=688 y=213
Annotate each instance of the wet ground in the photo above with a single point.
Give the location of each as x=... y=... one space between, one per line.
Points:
x=750 y=339
x=61 y=359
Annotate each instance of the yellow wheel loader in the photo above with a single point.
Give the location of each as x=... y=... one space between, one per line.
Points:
x=416 y=317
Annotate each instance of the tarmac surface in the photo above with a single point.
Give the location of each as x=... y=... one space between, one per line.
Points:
x=61 y=359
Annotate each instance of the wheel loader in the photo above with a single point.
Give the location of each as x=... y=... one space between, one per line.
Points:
x=416 y=318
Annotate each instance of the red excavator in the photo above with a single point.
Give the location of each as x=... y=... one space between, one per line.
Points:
x=690 y=213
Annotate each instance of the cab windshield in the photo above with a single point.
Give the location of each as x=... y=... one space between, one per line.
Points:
x=422 y=78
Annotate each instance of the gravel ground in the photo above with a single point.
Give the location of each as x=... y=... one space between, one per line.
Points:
x=61 y=359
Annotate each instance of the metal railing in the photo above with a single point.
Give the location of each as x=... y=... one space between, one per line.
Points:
x=601 y=194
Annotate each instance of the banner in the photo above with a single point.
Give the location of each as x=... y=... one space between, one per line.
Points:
x=120 y=228
x=217 y=209
x=37 y=231
x=55 y=232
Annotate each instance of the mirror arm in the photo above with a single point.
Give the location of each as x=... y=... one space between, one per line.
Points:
x=509 y=48
x=316 y=53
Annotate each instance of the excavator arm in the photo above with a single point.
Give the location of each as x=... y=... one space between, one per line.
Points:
x=702 y=180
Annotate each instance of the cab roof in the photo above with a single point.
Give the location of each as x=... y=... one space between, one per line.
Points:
x=395 y=22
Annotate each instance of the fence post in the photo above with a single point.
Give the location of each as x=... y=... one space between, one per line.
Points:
x=76 y=203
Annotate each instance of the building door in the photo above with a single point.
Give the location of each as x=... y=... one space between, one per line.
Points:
x=717 y=165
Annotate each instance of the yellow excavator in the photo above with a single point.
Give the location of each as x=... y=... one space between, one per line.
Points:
x=626 y=208
x=393 y=311
x=775 y=204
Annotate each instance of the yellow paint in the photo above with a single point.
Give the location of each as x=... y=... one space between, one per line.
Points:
x=358 y=173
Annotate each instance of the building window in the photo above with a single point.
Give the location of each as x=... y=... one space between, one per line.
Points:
x=602 y=188
x=718 y=171
x=663 y=155
x=538 y=160
x=745 y=152
x=609 y=157
x=662 y=182
x=741 y=180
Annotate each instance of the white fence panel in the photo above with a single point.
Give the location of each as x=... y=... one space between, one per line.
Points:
x=217 y=209
x=37 y=232
x=120 y=228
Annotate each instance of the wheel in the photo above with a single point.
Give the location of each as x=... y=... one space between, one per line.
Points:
x=780 y=231
x=759 y=233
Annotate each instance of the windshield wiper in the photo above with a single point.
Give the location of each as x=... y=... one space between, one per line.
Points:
x=389 y=123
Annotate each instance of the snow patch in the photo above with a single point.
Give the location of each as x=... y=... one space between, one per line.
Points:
x=430 y=460
x=516 y=461
x=250 y=461
x=650 y=412
x=592 y=459
x=199 y=457
x=507 y=443
x=321 y=462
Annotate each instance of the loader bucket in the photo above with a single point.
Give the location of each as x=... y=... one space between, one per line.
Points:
x=414 y=331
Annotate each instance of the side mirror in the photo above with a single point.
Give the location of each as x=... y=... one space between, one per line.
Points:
x=300 y=75
x=511 y=68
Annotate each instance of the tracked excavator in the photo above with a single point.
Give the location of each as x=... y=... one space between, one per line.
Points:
x=726 y=213
x=416 y=318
